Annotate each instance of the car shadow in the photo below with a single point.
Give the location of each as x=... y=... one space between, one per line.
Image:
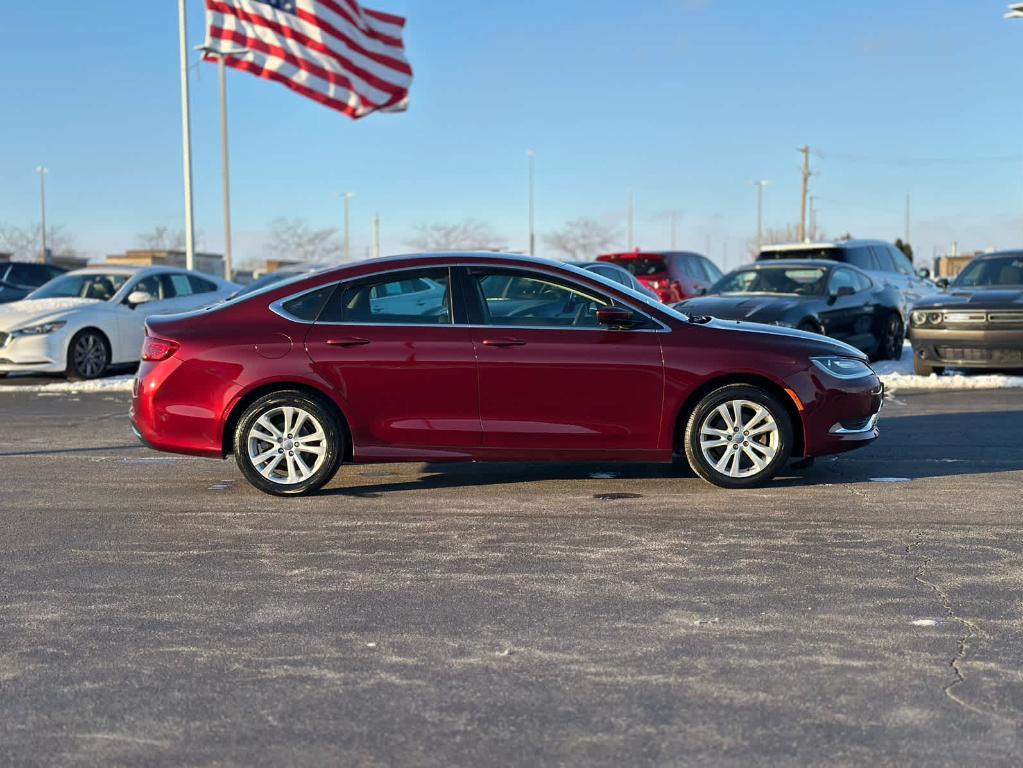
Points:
x=910 y=448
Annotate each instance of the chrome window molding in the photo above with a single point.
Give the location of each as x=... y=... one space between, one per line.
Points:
x=277 y=307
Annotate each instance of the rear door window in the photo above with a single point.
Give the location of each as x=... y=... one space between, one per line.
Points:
x=861 y=257
x=406 y=298
x=713 y=273
x=884 y=259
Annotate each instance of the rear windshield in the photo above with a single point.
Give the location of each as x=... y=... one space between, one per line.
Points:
x=831 y=254
x=641 y=266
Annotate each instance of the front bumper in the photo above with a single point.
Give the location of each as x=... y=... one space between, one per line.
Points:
x=46 y=353
x=838 y=415
x=969 y=348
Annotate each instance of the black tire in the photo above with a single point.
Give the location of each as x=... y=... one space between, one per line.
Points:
x=893 y=335
x=920 y=368
x=88 y=356
x=810 y=326
x=705 y=414
x=276 y=482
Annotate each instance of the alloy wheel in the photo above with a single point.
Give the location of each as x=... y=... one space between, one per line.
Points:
x=740 y=438
x=287 y=445
x=89 y=356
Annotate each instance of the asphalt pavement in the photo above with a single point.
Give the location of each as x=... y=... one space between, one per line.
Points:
x=156 y=610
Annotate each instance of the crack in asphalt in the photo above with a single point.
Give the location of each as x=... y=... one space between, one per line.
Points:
x=970 y=631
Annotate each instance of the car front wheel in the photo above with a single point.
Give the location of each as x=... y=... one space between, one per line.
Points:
x=738 y=436
x=88 y=356
x=288 y=444
x=889 y=346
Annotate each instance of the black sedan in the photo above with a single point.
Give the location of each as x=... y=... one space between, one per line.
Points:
x=978 y=323
x=825 y=297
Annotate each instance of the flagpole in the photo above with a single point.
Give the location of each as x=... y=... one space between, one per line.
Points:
x=186 y=137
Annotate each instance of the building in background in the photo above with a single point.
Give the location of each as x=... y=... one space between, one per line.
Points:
x=210 y=263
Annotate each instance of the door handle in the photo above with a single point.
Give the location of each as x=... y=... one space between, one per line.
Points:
x=348 y=341
x=503 y=342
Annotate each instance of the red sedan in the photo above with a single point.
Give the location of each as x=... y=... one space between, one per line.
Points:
x=484 y=357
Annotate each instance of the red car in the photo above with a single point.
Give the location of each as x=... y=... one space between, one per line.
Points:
x=484 y=357
x=672 y=275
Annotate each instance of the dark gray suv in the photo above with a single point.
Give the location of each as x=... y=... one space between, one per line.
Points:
x=18 y=279
x=881 y=260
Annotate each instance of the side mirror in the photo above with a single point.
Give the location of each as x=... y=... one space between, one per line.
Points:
x=139 y=297
x=923 y=272
x=942 y=282
x=615 y=317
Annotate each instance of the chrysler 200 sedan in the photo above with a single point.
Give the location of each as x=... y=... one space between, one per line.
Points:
x=514 y=359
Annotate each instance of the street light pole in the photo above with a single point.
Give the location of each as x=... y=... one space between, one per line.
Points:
x=44 y=257
x=186 y=137
x=224 y=151
x=632 y=226
x=531 y=154
x=346 y=197
x=760 y=211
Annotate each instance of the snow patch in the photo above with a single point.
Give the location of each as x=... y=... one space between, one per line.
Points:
x=898 y=374
x=110 y=384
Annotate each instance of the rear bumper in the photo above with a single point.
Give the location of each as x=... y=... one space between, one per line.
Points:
x=969 y=348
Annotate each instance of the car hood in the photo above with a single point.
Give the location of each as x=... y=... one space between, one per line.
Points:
x=980 y=298
x=815 y=344
x=27 y=312
x=756 y=308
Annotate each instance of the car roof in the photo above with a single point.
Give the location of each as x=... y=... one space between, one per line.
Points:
x=997 y=255
x=822 y=244
x=772 y=263
x=638 y=254
x=118 y=269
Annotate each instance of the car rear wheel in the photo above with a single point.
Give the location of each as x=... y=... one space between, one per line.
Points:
x=288 y=444
x=88 y=356
x=920 y=368
x=889 y=346
x=738 y=436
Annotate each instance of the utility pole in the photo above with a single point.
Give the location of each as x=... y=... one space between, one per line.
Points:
x=806 y=188
x=225 y=158
x=632 y=230
x=186 y=137
x=531 y=155
x=44 y=257
x=813 y=217
x=760 y=212
x=376 y=236
x=1015 y=11
x=674 y=229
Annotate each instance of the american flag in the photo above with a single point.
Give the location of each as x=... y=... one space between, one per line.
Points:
x=343 y=55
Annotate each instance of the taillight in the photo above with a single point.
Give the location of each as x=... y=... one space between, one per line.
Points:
x=155 y=350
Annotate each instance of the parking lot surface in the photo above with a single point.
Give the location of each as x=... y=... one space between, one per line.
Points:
x=154 y=609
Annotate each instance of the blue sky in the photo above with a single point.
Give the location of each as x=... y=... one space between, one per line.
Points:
x=681 y=101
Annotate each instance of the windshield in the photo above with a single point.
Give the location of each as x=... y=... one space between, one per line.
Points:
x=91 y=286
x=641 y=266
x=1007 y=270
x=800 y=281
x=632 y=293
x=828 y=253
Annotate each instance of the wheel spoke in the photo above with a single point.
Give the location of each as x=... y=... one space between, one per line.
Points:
x=758 y=416
x=266 y=424
x=266 y=437
x=733 y=469
x=319 y=450
x=292 y=473
x=736 y=414
x=768 y=451
x=267 y=470
x=758 y=462
x=265 y=456
x=770 y=426
x=316 y=437
x=723 y=461
x=300 y=421
x=303 y=468
x=707 y=430
x=715 y=442
x=726 y=416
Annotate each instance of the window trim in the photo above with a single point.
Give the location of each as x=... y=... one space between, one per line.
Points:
x=457 y=274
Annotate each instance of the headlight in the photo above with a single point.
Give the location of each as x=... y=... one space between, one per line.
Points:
x=39 y=330
x=843 y=367
x=934 y=318
x=919 y=318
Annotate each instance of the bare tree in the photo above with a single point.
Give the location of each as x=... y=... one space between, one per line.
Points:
x=162 y=238
x=467 y=235
x=581 y=239
x=295 y=240
x=25 y=243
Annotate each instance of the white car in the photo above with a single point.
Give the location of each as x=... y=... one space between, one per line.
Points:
x=83 y=322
